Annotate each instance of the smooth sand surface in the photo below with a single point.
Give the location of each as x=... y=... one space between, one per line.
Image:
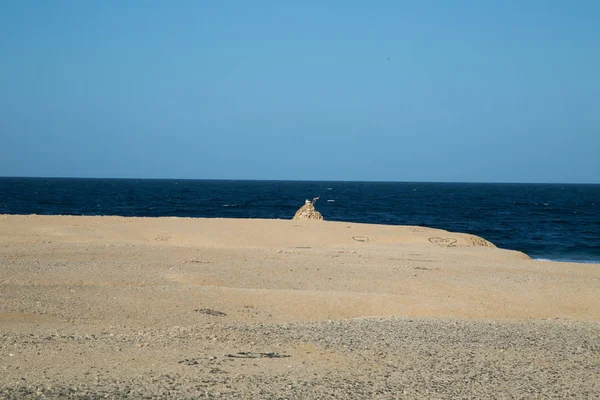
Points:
x=189 y=308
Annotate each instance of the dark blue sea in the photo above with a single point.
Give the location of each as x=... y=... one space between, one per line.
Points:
x=546 y=221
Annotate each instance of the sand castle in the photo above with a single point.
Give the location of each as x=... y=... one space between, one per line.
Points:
x=308 y=211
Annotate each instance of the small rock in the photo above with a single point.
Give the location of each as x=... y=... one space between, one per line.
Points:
x=308 y=211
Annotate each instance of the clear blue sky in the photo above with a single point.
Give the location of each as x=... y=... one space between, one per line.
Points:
x=484 y=91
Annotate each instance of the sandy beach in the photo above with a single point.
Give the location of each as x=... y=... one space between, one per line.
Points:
x=111 y=307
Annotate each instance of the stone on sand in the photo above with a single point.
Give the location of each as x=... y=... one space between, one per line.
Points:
x=308 y=211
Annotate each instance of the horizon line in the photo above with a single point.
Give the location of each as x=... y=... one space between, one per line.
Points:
x=300 y=180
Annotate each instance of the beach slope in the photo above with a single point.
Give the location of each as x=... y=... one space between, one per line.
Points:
x=188 y=308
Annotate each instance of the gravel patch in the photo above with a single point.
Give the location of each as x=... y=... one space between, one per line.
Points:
x=392 y=358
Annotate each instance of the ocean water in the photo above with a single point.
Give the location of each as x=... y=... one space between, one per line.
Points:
x=553 y=222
